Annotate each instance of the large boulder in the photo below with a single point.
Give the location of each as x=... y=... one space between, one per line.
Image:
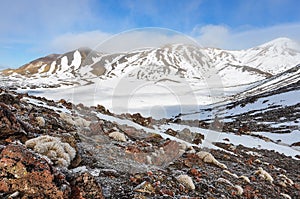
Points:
x=29 y=175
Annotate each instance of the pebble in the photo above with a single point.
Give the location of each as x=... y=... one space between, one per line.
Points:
x=245 y=178
x=265 y=175
x=186 y=181
x=239 y=189
x=40 y=121
x=223 y=180
x=117 y=136
x=209 y=158
x=229 y=173
x=286 y=195
x=286 y=180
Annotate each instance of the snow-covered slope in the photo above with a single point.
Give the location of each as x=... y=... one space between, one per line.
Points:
x=273 y=57
x=281 y=90
x=270 y=111
x=268 y=59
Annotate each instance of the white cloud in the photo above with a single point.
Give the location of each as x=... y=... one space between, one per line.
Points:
x=124 y=41
x=212 y=35
x=71 y=41
x=142 y=38
x=224 y=37
x=219 y=36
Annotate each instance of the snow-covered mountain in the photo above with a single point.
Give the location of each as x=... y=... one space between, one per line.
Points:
x=178 y=74
x=273 y=57
x=191 y=63
x=263 y=61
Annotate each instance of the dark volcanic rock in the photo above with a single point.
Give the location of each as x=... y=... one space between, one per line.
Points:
x=9 y=99
x=144 y=121
x=9 y=124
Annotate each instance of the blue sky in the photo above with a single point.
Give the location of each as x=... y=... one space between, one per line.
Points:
x=34 y=28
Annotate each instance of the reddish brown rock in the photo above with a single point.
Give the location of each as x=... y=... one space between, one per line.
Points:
x=296 y=144
x=84 y=186
x=97 y=127
x=68 y=105
x=30 y=175
x=102 y=109
x=171 y=132
x=133 y=133
x=144 y=121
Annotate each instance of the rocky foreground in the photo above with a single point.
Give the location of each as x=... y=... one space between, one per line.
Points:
x=59 y=150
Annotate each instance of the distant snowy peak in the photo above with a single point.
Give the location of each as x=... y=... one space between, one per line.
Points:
x=281 y=43
x=273 y=57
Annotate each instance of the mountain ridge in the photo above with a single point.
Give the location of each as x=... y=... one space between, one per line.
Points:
x=186 y=61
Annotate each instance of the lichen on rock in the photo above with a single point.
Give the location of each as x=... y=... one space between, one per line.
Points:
x=264 y=174
x=117 y=136
x=186 y=181
x=209 y=158
x=40 y=121
x=61 y=153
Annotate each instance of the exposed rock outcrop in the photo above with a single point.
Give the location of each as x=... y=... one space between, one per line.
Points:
x=30 y=175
